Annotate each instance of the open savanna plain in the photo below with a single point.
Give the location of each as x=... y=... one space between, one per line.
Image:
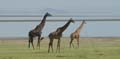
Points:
x=90 y=48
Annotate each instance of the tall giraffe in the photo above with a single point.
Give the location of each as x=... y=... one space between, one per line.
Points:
x=57 y=35
x=37 y=31
x=76 y=34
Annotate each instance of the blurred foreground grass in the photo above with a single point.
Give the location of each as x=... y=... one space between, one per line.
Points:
x=90 y=48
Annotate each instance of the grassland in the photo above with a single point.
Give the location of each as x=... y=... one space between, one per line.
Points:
x=90 y=48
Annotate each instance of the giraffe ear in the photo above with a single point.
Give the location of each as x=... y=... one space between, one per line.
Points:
x=71 y=19
x=84 y=21
x=49 y=14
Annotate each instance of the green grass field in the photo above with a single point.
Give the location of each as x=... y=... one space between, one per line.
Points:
x=90 y=48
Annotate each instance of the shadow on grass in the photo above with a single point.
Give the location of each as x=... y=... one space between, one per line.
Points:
x=99 y=53
x=40 y=52
x=6 y=57
x=84 y=57
x=62 y=56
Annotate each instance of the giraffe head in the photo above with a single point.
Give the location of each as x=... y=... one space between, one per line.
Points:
x=84 y=21
x=71 y=20
x=48 y=14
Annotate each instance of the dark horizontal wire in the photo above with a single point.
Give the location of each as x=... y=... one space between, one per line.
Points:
x=20 y=15
x=36 y=16
x=59 y=20
x=52 y=16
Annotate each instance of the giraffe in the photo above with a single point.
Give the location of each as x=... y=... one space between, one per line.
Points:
x=76 y=34
x=57 y=35
x=37 y=31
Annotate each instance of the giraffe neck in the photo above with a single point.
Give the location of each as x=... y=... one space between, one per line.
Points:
x=80 y=27
x=41 y=25
x=65 y=26
x=44 y=19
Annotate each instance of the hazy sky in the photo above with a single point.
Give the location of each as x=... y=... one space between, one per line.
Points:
x=111 y=7
x=70 y=5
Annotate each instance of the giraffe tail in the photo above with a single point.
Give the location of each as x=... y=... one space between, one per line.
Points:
x=41 y=38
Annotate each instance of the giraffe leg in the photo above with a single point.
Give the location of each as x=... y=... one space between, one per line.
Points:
x=78 y=42
x=38 y=43
x=49 y=48
x=32 y=44
x=58 y=46
x=29 y=42
x=50 y=45
x=73 y=45
x=71 y=42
